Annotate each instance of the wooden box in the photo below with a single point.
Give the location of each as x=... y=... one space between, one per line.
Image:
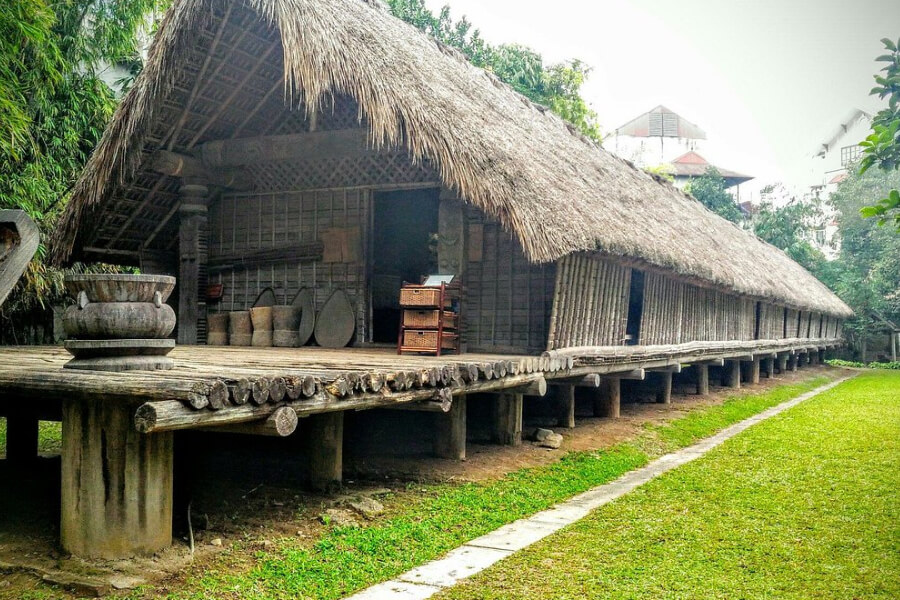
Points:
x=420 y=296
x=426 y=339
x=428 y=319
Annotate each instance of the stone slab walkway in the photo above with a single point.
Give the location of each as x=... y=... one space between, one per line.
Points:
x=480 y=553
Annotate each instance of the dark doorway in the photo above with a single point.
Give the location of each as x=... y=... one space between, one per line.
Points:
x=635 y=308
x=404 y=249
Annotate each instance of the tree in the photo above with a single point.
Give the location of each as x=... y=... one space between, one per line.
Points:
x=866 y=274
x=557 y=86
x=882 y=147
x=790 y=228
x=54 y=107
x=711 y=191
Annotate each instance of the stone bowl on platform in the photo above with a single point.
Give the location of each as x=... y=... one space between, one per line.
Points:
x=120 y=287
x=119 y=322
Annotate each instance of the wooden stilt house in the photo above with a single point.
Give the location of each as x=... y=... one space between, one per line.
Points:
x=325 y=145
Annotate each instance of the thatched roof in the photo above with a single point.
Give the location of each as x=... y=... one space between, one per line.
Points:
x=557 y=191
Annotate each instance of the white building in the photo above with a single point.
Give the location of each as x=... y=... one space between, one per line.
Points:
x=829 y=165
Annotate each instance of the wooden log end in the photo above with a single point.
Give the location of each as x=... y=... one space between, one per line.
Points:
x=218 y=395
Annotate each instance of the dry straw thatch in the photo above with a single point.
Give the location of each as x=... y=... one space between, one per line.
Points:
x=557 y=191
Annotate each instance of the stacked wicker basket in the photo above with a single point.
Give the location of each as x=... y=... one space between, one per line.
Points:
x=426 y=318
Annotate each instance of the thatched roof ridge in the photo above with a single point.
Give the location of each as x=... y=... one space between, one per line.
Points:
x=556 y=190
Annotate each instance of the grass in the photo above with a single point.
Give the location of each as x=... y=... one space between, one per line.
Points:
x=433 y=519
x=804 y=505
x=49 y=436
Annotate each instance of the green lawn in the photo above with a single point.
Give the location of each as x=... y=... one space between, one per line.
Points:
x=428 y=520
x=805 y=505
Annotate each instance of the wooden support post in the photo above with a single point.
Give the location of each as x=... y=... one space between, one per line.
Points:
x=814 y=357
x=664 y=387
x=192 y=258
x=702 y=379
x=793 y=362
x=508 y=419
x=609 y=398
x=782 y=363
x=565 y=398
x=450 y=434
x=324 y=435
x=21 y=437
x=116 y=483
x=732 y=374
x=753 y=371
x=770 y=367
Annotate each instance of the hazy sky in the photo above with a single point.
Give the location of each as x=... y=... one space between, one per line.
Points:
x=766 y=79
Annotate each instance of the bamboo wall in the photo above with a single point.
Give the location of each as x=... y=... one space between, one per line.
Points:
x=771 y=322
x=590 y=303
x=240 y=224
x=506 y=299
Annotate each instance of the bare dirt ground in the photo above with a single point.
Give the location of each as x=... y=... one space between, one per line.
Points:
x=252 y=506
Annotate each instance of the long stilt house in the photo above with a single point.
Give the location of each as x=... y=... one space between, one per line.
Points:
x=326 y=145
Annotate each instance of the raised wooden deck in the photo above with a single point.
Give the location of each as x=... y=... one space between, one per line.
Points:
x=216 y=385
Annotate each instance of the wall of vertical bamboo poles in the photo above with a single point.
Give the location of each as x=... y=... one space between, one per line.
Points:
x=590 y=303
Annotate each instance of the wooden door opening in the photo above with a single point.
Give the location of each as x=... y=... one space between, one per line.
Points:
x=635 y=308
x=404 y=248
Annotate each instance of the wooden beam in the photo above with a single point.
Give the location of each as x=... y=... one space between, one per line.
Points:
x=634 y=374
x=318 y=145
x=538 y=387
x=591 y=380
x=187 y=167
x=281 y=423
x=667 y=369
x=716 y=362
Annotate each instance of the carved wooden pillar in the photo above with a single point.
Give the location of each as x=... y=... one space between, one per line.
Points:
x=192 y=231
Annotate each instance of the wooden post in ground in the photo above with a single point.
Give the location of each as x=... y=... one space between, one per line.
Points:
x=814 y=357
x=753 y=371
x=663 y=387
x=702 y=379
x=608 y=401
x=769 y=367
x=508 y=419
x=782 y=363
x=116 y=483
x=565 y=398
x=21 y=437
x=192 y=226
x=732 y=374
x=450 y=434
x=793 y=362
x=324 y=435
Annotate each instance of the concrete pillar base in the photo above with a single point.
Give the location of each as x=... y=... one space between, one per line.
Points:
x=116 y=482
